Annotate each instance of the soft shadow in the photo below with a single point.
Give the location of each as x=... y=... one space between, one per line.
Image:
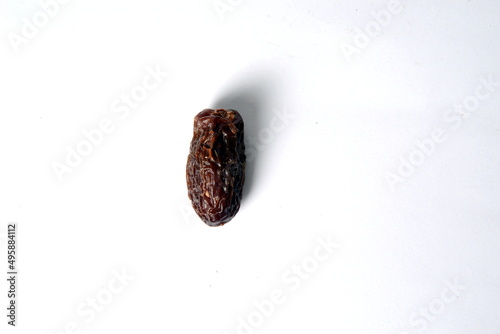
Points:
x=253 y=97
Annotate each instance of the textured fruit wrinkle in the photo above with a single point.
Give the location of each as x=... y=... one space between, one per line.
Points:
x=216 y=165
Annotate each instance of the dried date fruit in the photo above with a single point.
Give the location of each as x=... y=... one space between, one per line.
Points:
x=215 y=170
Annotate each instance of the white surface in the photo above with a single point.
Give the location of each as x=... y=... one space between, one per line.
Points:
x=322 y=173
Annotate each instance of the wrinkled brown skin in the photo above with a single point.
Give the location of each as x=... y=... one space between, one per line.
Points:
x=215 y=168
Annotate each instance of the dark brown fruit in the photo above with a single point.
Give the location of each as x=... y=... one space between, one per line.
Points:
x=215 y=169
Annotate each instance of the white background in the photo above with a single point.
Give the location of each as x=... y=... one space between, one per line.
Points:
x=329 y=132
